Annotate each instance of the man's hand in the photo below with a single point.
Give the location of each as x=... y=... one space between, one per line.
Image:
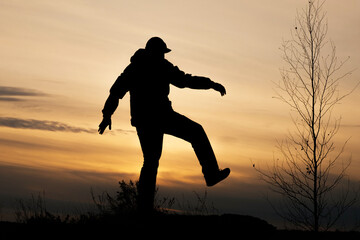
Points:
x=220 y=88
x=105 y=122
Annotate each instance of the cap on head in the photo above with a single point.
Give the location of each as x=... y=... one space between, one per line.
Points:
x=156 y=44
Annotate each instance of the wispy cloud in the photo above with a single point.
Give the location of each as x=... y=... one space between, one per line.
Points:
x=53 y=126
x=15 y=93
x=10 y=99
x=41 y=125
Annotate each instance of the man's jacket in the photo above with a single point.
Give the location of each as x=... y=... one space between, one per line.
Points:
x=148 y=82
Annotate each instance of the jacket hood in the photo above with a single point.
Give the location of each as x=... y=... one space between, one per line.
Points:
x=139 y=56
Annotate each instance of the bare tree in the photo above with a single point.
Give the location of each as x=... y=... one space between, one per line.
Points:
x=311 y=170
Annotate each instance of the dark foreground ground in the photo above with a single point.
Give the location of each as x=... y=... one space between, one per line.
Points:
x=163 y=227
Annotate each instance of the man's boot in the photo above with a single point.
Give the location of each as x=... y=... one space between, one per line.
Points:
x=216 y=177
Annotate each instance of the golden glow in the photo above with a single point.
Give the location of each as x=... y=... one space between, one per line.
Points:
x=71 y=53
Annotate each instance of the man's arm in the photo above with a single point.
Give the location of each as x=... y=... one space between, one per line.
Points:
x=117 y=91
x=183 y=80
x=110 y=106
x=196 y=82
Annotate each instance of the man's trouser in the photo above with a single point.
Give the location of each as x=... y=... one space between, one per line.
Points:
x=151 y=139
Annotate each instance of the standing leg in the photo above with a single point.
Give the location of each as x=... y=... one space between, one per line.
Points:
x=184 y=128
x=151 y=140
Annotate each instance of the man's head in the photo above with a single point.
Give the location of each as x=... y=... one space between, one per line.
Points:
x=156 y=47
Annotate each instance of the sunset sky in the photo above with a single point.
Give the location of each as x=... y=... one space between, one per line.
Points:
x=60 y=58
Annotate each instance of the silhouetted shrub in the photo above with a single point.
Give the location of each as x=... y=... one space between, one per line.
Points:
x=118 y=208
x=35 y=212
x=201 y=206
x=125 y=201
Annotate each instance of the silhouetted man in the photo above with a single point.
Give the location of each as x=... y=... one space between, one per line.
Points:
x=148 y=78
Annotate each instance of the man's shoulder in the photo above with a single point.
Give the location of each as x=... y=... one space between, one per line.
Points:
x=168 y=63
x=171 y=67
